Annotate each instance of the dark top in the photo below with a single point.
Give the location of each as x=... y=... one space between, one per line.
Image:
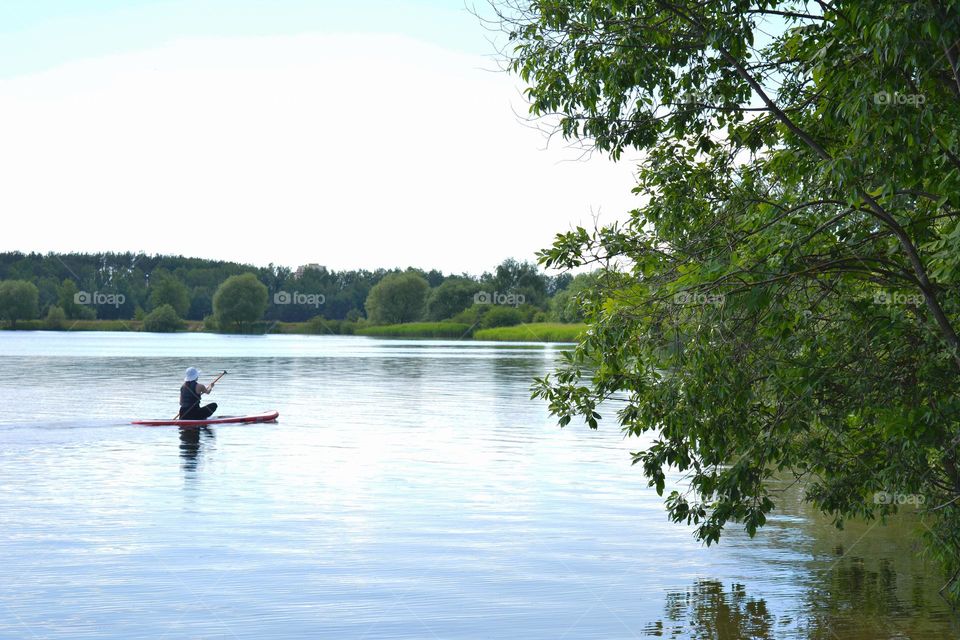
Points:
x=189 y=398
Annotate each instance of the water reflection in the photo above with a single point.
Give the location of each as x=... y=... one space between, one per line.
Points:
x=850 y=601
x=708 y=611
x=863 y=598
x=190 y=444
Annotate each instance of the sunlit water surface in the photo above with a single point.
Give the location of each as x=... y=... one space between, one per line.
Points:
x=411 y=489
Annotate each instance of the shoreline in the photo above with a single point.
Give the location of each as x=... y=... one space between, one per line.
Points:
x=540 y=332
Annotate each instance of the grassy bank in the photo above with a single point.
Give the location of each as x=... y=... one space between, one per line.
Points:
x=93 y=325
x=533 y=332
x=417 y=330
x=79 y=325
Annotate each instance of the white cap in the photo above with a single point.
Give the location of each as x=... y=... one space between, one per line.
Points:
x=192 y=374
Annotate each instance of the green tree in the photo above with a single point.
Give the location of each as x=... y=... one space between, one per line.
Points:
x=201 y=303
x=67 y=297
x=49 y=288
x=240 y=300
x=519 y=278
x=163 y=319
x=788 y=299
x=558 y=283
x=398 y=297
x=73 y=309
x=56 y=318
x=567 y=304
x=450 y=298
x=18 y=301
x=167 y=289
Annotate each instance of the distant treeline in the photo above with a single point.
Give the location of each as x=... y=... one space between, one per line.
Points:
x=130 y=285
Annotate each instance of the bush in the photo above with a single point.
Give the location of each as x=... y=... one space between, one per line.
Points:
x=163 y=319
x=473 y=315
x=85 y=312
x=56 y=318
x=502 y=317
x=467 y=317
x=210 y=323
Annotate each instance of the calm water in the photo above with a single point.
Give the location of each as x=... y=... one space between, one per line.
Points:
x=410 y=490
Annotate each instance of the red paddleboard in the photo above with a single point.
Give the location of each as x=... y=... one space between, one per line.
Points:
x=269 y=416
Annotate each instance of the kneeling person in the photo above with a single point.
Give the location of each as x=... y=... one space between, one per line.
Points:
x=190 y=393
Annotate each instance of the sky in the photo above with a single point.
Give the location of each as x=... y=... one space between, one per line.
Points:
x=358 y=134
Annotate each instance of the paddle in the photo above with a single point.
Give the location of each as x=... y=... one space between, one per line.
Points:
x=177 y=417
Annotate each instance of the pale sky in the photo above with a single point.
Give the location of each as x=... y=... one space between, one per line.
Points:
x=354 y=135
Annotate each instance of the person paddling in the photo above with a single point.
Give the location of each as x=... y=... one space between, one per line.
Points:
x=190 y=393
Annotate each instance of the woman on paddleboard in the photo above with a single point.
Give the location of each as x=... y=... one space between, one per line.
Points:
x=190 y=393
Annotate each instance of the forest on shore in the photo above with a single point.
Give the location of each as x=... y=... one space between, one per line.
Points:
x=169 y=293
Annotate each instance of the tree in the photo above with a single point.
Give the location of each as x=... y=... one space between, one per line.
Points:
x=567 y=304
x=49 y=288
x=240 y=300
x=167 y=289
x=519 y=279
x=163 y=319
x=785 y=299
x=559 y=283
x=67 y=297
x=398 y=297
x=450 y=298
x=201 y=303
x=18 y=301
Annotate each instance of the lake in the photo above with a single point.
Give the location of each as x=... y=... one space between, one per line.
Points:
x=411 y=489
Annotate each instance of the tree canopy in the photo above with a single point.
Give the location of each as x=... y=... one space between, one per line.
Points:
x=147 y=282
x=783 y=301
x=519 y=279
x=18 y=301
x=566 y=305
x=239 y=301
x=399 y=297
x=450 y=298
x=167 y=290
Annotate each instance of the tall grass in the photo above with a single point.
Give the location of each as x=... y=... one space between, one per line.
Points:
x=533 y=332
x=93 y=325
x=417 y=330
x=79 y=325
x=315 y=326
